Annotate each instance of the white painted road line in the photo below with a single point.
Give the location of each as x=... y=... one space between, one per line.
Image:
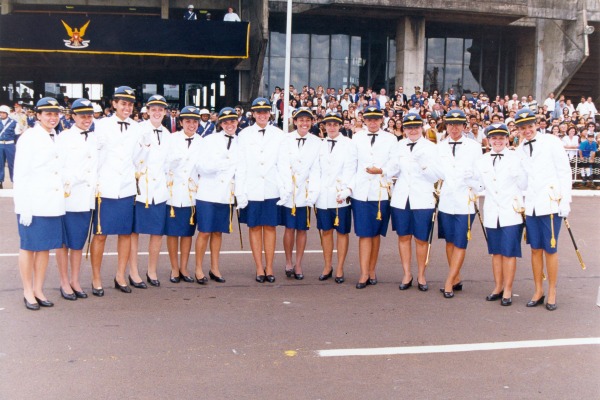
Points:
x=164 y=253
x=456 y=348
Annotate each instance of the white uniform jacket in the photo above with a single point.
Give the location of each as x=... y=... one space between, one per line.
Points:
x=299 y=166
x=503 y=184
x=216 y=167
x=337 y=170
x=416 y=171
x=38 y=187
x=117 y=152
x=182 y=180
x=457 y=187
x=365 y=186
x=152 y=166
x=548 y=174
x=78 y=156
x=257 y=176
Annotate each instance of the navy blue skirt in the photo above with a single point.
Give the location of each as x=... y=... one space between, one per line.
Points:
x=300 y=221
x=212 y=217
x=116 y=216
x=366 y=223
x=261 y=213
x=454 y=227
x=539 y=233
x=151 y=220
x=326 y=219
x=44 y=233
x=76 y=228
x=505 y=241
x=180 y=224
x=412 y=222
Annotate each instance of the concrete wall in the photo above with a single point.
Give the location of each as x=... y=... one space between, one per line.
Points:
x=410 y=52
x=525 y=64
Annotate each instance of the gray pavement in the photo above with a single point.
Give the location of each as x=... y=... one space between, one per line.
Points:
x=244 y=340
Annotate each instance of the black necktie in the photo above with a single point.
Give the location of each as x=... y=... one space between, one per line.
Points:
x=123 y=123
x=411 y=145
x=263 y=131
x=373 y=136
x=301 y=140
x=157 y=131
x=496 y=157
x=52 y=136
x=189 y=140
x=332 y=144
x=530 y=143
x=229 y=138
x=86 y=134
x=454 y=147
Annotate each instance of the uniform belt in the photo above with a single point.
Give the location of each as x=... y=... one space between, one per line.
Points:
x=7 y=141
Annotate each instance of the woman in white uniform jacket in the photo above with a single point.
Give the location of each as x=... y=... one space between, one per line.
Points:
x=500 y=175
x=215 y=165
x=180 y=225
x=413 y=202
x=39 y=201
x=332 y=208
x=299 y=161
x=78 y=152
x=371 y=192
x=151 y=200
x=259 y=186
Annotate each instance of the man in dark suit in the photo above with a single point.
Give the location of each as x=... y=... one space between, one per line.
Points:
x=242 y=119
x=171 y=121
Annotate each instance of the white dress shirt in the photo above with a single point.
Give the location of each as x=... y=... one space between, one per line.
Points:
x=457 y=171
x=78 y=154
x=503 y=179
x=337 y=170
x=548 y=174
x=38 y=187
x=299 y=165
x=257 y=176
x=365 y=186
x=215 y=164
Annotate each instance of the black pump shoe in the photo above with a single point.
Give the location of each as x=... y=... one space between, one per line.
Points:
x=270 y=278
x=202 y=281
x=339 y=279
x=535 y=303
x=139 y=285
x=186 y=278
x=215 y=278
x=80 y=295
x=404 y=286
x=494 y=296
x=447 y=295
x=299 y=276
x=124 y=288
x=153 y=282
x=289 y=272
x=551 y=307
x=44 y=303
x=260 y=278
x=175 y=279
x=506 y=301
x=31 y=306
x=362 y=285
x=326 y=276
x=98 y=292
x=457 y=287
x=423 y=287
x=68 y=296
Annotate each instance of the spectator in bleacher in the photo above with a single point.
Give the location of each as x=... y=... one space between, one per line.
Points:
x=587 y=153
x=231 y=15
x=190 y=14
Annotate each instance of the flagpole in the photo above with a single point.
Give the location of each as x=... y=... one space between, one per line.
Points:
x=288 y=55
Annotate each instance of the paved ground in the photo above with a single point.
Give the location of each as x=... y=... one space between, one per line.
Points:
x=247 y=340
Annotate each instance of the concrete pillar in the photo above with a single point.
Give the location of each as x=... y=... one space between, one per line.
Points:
x=525 y=65
x=6 y=7
x=164 y=9
x=410 y=52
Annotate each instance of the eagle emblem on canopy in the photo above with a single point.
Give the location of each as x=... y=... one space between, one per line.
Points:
x=76 y=36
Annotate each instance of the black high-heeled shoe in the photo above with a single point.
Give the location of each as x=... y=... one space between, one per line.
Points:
x=423 y=287
x=260 y=278
x=326 y=276
x=153 y=282
x=270 y=278
x=138 y=285
x=551 y=307
x=31 y=306
x=299 y=276
x=339 y=279
x=404 y=286
x=535 y=303
x=289 y=272
x=202 y=281
x=215 y=278
x=98 y=292
x=123 y=288
x=175 y=279
x=80 y=294
x=44 y=303
x=447 y=295
x=494 y=296
x=67 y=296
x=362 y=285
x=186 y=278
x=457 y=287
x=506 y=301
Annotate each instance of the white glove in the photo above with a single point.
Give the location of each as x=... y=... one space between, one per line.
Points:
x=564 y=208
x=147 y=138
x=467 y=174
x=422 y=163
x=283 y=197
x=343 y=195
x=25 y=219
x=311 y=200
x=242 y=202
